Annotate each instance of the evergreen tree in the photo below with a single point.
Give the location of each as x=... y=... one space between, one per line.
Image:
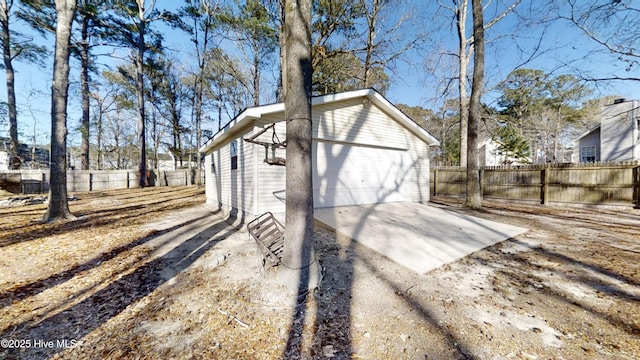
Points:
x=512 y=145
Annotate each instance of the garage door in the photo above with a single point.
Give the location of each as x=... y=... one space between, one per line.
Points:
x=345 y=174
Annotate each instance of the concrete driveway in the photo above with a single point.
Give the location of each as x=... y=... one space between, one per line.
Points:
x=417 y=236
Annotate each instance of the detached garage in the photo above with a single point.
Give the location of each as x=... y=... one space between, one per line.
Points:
x=365 y=151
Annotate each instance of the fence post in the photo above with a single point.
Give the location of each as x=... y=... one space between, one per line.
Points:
x=481 y=175
x=636 y=187
x=127 y=178
x=544 y=176
x=435 y=182
x=90 y=181
x=43 y=178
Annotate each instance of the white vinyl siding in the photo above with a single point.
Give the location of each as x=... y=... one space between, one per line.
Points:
x=212 y=179
x=591 y=140
x=419 y=175
x=346 y=174
x=272 y=178
x=354 y=122
x=619 y=132
x=231 y=188
x=361 y=155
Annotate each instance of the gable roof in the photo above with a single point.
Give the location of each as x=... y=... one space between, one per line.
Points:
x=249 y=115
x=597 y=127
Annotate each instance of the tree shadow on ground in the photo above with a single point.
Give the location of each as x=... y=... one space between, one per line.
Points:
x=124 y=290
x=588 y=275
x=86 y=219
x=36 y=287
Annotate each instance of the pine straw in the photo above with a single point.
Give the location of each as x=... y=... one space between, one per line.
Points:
x=50 y=268
x=570 y=288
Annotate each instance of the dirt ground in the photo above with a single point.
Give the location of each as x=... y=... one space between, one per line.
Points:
x=98 y=287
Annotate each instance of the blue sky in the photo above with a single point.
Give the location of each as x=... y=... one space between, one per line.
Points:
x=413 y=83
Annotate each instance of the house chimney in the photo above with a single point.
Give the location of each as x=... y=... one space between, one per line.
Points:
x=618 y=101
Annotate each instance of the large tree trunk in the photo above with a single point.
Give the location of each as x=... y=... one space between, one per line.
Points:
x=84 y=84
x=14 y=157
x=474 y=197
x=58 y=207
x=299 y=192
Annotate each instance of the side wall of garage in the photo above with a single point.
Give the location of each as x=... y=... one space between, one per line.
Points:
x=229 y=183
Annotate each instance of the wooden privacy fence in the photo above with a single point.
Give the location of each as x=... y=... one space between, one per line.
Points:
x=592 y=183
x=37 y=181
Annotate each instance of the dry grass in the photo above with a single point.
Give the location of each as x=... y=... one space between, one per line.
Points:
x=568 y=289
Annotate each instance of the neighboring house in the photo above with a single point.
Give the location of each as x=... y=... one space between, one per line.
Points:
x=166 y=162
x=4 y=160
x=615 y=139
x=489 y=155
x=32 y=157
x=365 y=151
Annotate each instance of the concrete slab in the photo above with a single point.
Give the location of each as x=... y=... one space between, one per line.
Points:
x=417 y=236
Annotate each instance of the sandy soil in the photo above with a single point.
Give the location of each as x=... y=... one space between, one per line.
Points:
x=117 y=284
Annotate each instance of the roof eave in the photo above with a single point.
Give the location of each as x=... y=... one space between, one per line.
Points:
x=575 y=141
x=252 y=114
x=240 y=122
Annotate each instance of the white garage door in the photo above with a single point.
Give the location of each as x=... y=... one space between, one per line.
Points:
x=353 y=175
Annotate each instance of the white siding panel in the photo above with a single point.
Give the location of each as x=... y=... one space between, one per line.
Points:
x=271 y=178
x=420 y=163
x=353 y=122
x=593 y=139
x=616 y=131
x=225 y=177
x=352 y=175
x=212 y=180
x=231 y=188
x=361 y=155
x=271 y=188
x=245 y=176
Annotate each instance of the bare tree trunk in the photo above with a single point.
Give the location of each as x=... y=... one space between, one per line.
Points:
x=58 y=207
x=142 y=136
x=464 y=112
x=84 y=84
x=256 y=77
x=465 y=50
x=202 y=54
x=99 y=141
x=155 y=133
x=474 y=197
x=463 y=62
x=372 y=22
x=556 y=135
x=299 y=190
x=14 y=157
x=282 y=88
x=100 y=115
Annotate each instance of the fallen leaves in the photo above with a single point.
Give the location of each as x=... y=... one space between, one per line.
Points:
x=96 y=280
